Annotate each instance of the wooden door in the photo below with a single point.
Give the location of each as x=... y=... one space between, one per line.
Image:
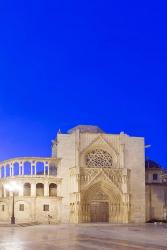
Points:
x=99 y=211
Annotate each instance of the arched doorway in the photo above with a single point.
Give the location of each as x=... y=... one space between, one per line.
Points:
x=101 y=203
x=99 y=211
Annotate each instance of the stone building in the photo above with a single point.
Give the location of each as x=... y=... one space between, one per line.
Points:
x=156 y=192
x=91 y=176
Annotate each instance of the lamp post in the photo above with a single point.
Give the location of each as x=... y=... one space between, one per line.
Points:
x=12 y=187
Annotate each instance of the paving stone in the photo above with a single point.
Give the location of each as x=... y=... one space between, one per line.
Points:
x=84 y=236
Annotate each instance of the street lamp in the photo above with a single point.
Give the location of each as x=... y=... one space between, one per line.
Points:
x=12 y=187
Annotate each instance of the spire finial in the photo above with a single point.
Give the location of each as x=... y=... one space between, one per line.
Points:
x=59 y=131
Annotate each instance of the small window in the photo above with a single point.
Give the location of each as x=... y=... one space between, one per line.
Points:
x=3 y=208
x=45 y=207
x=21 y=207
x=155 y=177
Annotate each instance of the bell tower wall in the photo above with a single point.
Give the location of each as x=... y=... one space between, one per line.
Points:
x=135 y=161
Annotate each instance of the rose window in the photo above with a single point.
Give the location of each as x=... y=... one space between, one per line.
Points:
x=98 y=158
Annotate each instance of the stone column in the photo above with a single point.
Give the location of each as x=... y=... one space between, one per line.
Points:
x=4 y=171
x=125 y=207
x=0 y=172
x=23 y=168
x=21 y=190
x=4 y=192
x=48 y=170
x=33 y=189
x=20 y=168
x=11 y=169
x=35 y=167
x=32 y=168
x=46 y=166
x=46 y=189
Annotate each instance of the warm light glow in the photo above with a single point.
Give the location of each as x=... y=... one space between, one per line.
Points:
x=12 y=186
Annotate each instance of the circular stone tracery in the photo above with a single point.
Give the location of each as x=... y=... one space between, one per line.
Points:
x=98 y=158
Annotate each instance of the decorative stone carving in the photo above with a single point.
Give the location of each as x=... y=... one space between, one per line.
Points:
x=100 y=196
x=115 y=176
x=98 y=158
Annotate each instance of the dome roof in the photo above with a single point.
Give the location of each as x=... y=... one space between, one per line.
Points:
x=86 y=129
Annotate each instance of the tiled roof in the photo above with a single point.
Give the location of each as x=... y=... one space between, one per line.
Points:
x=149 y=164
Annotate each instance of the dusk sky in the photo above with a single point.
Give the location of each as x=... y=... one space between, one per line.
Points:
x=64 y=63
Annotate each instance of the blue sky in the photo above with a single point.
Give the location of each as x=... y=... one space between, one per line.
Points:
x=64 y=63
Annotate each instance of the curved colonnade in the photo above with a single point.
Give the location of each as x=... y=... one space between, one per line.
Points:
x=36 y=198
x=28 y=166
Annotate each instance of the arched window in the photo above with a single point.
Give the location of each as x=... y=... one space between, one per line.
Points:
x=39 y=168
x=27 y=168
x=16 y=168
x=27 y=189
x=39 y=189
x=98 y=158
x=52 y=189
x=7 y=170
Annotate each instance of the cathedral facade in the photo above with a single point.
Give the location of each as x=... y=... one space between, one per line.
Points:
x=91 y=176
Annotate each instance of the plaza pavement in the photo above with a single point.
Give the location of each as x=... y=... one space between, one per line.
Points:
x=83 y=236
